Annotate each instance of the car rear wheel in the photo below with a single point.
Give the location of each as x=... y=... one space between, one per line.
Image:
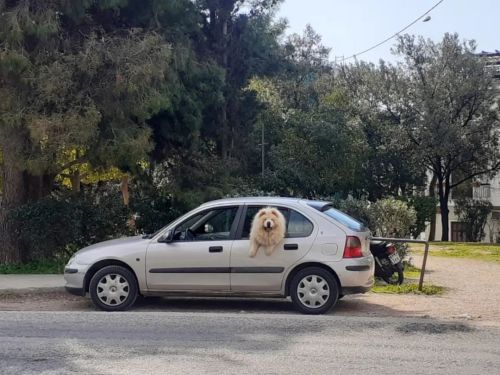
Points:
x=314 y=290
x=113 y=288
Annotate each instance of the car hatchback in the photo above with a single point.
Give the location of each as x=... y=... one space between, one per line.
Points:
x=324 y=256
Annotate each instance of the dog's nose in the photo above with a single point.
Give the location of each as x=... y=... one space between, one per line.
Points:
x=268 y=224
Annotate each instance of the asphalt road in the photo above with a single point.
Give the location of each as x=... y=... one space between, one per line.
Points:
x=229 y=343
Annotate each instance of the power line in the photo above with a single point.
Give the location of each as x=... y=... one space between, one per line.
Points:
x=394 y=35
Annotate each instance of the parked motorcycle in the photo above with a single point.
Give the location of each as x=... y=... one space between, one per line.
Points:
x=388 y=263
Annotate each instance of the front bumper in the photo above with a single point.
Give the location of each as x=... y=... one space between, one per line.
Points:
x=74 y=275
x=75 y=291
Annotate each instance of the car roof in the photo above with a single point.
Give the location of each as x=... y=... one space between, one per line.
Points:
x=268 y=200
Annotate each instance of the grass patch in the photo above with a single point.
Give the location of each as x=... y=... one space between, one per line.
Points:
x=411 y=272
x=35 y=267
x=428 y=290
x=470 y=250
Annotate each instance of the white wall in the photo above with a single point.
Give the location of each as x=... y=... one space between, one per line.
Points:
x=491 y=225
x=439 y=227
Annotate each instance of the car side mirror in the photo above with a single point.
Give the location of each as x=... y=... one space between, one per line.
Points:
x=167 y=237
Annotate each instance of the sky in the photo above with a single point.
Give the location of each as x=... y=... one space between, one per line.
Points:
x=351 y=26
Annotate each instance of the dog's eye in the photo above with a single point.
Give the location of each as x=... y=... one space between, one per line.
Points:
x=274 y=213
x=262 y=213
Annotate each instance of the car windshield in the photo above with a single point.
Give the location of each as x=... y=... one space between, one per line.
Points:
x=345 y=219
x=151 y=235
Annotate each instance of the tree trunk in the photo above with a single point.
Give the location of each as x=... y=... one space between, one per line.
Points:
x=432 y=193
x=13 y=196
x=75 y=178
x=220 y=15
x=445 y=236
x=224 y=60
x=444 y=193
x=124 y=189
x=37 y=187
x=223 y=135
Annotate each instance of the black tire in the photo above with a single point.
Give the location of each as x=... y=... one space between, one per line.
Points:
x=398 y=280
x=331 y=282
x=125 y=280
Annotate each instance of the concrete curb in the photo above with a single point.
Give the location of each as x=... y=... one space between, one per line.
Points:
x=17 y=282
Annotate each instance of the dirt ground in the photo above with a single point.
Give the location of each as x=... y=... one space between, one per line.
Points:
x=473 y=293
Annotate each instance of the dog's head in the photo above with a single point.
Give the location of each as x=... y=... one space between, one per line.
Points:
x=269 y=218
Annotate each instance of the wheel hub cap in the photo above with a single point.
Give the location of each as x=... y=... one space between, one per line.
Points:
x=313 y=291
x=113 y=289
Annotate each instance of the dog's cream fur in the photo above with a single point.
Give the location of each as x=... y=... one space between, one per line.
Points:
x=268 y=230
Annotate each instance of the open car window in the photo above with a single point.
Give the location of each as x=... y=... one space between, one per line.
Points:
x=297 y=225
x=209 y=225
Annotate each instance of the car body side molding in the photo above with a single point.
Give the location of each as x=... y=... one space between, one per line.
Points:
x=219 y=270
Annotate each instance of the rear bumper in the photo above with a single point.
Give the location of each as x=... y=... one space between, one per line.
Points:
x=358 y=268
x=356 y=275
x=355 y=290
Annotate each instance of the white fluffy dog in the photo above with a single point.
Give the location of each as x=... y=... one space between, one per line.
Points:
x=268 y=230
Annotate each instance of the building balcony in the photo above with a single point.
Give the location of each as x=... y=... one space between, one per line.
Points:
x=482 y=191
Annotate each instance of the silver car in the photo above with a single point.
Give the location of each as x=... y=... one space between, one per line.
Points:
x=324 y=256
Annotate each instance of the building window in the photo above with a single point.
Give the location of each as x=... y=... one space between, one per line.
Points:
x=458 y=233
x=482 y=191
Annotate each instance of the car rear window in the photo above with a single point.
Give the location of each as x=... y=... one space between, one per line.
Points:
x=344 y=219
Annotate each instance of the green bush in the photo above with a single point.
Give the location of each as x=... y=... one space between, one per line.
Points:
x=425 y=208
x=153 y=211
x=385 y=218
x=392 y=218
x=474 y=213
x=56 y=226
x=42 y=266
x=152 y=202
x=358 y=209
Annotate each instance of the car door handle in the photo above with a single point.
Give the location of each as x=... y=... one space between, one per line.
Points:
x=215 y=249
x=291 y=246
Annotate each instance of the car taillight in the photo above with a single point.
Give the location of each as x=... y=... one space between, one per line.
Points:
x=353 y=248
x=391 y=249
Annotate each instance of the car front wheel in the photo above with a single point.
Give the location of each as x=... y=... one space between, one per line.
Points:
x=314 y=290
x=113 y=288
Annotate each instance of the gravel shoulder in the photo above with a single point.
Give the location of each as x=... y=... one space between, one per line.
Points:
x=473 y=293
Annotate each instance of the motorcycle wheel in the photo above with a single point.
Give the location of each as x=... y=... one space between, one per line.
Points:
x=397 y=276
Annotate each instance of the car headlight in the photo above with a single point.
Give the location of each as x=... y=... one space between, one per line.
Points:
x=71 y=260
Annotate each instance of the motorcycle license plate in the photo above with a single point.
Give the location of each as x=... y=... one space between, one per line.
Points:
x=394 y=258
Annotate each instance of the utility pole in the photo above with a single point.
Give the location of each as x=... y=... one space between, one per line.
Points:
x=263 y=151
x=262 y=145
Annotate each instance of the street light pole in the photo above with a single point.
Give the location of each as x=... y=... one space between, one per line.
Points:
x=262 y=145
x=263 y=149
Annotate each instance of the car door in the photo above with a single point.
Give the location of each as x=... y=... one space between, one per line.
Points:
x=197 y=258
x=265 y=273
